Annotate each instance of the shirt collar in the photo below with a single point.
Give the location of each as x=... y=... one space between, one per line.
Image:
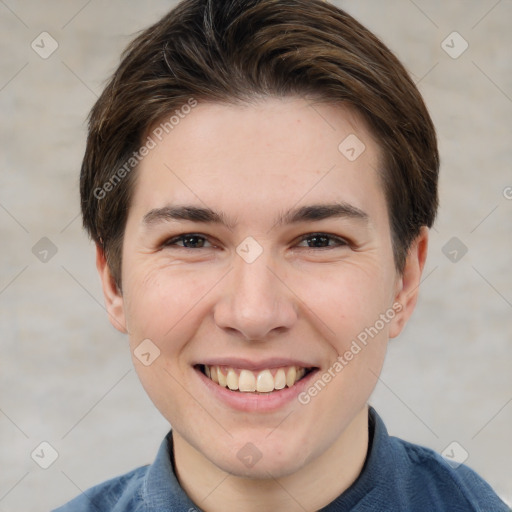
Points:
x=364 y=492
x=161 y=489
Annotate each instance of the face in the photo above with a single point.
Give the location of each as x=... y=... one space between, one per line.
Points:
x=258 y=247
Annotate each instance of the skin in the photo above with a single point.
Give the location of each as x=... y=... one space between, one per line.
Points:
x=253 y=162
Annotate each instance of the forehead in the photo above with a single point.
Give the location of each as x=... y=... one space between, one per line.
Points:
x=254 y=158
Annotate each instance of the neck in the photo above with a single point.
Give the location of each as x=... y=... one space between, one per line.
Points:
x=312 y=487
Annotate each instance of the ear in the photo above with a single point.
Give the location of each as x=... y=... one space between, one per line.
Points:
x=408 y=283
x=113 y=297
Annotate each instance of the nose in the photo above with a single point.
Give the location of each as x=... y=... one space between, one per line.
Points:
x=255 y=303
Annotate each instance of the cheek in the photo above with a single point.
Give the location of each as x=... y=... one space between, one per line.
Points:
x=161 y=303
x=347 y=299
x=164 y=306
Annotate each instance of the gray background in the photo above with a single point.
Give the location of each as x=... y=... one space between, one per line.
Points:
x=66 y=374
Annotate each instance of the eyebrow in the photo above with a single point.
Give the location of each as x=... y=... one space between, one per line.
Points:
x=320 y=212
x=309 y=213
x=190 y=213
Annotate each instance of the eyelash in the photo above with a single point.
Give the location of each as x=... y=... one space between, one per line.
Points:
x=339 y=242
x=172 y=241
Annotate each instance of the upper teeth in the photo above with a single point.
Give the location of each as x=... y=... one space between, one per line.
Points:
x=248 y=381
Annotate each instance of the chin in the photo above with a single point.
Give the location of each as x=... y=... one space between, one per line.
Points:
x=259 y=459
x=268 y=466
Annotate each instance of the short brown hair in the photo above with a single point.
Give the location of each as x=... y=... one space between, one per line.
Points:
x=236 y=50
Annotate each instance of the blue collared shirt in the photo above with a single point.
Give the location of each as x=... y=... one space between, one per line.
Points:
x=397 y=476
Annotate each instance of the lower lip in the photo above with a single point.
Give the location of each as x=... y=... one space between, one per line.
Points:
x=256 y=402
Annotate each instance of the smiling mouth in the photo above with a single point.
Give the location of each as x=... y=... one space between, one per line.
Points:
x=246 y=381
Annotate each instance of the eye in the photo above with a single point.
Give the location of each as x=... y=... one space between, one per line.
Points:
x=321 y=241
x=188 y=241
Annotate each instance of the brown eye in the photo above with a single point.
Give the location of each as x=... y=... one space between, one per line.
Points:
x=188 y=241
x=321 y=240
x=318 y=241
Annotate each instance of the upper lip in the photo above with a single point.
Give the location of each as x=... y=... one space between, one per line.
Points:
x=255 y=365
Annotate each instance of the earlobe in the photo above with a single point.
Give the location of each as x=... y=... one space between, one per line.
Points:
x=409 y=282
x=114 y=302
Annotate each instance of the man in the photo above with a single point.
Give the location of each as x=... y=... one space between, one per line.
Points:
x=259 y=179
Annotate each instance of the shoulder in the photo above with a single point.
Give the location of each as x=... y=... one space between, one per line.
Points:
x=446 y=484
x=402 y=476
x=113 y=495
